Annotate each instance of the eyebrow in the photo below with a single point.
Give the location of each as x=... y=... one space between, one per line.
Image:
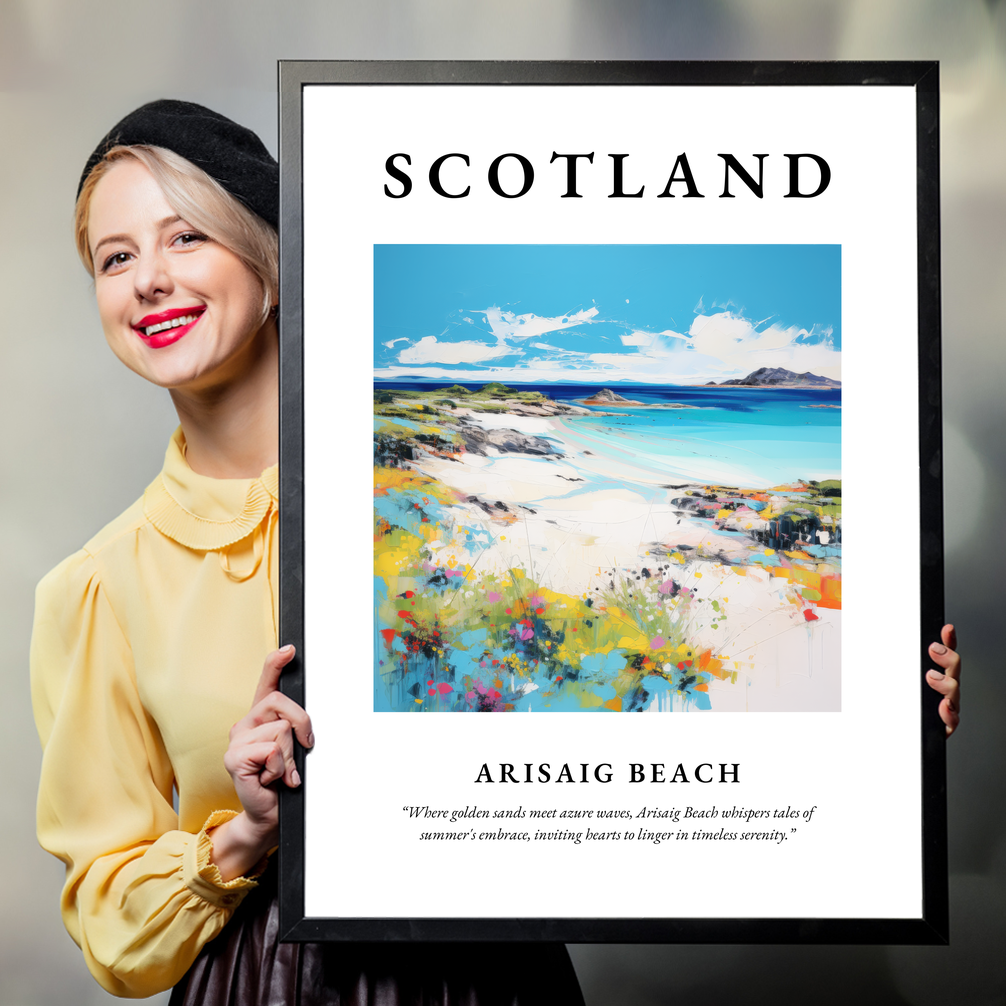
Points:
x=111 y=238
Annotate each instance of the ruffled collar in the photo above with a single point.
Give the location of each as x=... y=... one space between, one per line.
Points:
x=203 y=513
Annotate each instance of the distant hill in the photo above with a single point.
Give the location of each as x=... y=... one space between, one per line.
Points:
x=777 y=377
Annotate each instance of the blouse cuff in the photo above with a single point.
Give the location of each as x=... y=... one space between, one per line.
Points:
x=202 y=876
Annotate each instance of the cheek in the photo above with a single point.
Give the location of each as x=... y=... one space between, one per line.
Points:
x=224 y=279
x=113 y=310
x=246 y=300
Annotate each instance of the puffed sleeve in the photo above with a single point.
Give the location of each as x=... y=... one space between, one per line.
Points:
x=141 y=898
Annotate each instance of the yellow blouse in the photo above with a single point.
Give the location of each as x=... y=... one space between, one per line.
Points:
x=147 y=647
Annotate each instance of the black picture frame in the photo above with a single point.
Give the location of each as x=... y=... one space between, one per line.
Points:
x=932 y=925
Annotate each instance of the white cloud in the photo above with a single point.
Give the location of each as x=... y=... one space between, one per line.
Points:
x=740 y=347
x=391 y=344
x=557 y=351
x=508 y=328
x=715 y=348
x=430 y=350
x=658 y=343
x=636 y=339
x=507 y=325
x=721 y=346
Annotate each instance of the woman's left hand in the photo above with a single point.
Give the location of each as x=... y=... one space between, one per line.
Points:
x=948 y=681
x=260 y=754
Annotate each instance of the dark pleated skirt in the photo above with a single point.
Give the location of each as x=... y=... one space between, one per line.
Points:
x=246 y=965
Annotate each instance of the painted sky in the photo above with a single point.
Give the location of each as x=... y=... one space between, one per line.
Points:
x=642 y=314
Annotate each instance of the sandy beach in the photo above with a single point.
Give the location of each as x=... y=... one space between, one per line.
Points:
x=588 y=517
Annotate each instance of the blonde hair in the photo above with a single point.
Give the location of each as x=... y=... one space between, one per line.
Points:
x=199 y=200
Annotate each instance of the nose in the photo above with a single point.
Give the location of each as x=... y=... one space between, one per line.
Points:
x=152 y=276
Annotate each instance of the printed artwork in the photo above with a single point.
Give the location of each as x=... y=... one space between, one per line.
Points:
x=607 y=478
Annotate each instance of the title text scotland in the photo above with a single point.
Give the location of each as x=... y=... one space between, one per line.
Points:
x=807 y=176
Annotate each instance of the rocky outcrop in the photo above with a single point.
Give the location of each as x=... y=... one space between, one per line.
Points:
x=546 y=407
x=608 y=397
x=506 y=442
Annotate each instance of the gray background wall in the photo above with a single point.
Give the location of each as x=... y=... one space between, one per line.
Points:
x=81 y=436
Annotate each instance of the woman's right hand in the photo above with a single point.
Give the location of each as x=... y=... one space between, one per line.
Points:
x=259 y=754
x=948 y=681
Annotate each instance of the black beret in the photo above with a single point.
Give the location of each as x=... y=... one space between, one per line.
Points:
x=231 y=154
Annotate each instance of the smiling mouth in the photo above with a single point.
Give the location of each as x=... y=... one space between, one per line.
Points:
x=176 y=321
x=185 y=319
x=167 y=327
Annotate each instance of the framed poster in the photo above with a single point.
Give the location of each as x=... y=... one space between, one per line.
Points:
x=610 y=389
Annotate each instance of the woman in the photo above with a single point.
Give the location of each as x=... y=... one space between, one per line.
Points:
x=149 y=642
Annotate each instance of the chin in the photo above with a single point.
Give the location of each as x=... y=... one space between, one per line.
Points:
x=170 y=374
x=191 y=364
x=190 y=378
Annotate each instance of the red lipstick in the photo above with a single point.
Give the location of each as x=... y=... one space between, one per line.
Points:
x=166 y=327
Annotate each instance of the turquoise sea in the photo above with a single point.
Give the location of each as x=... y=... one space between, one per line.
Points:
x=747 y=437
